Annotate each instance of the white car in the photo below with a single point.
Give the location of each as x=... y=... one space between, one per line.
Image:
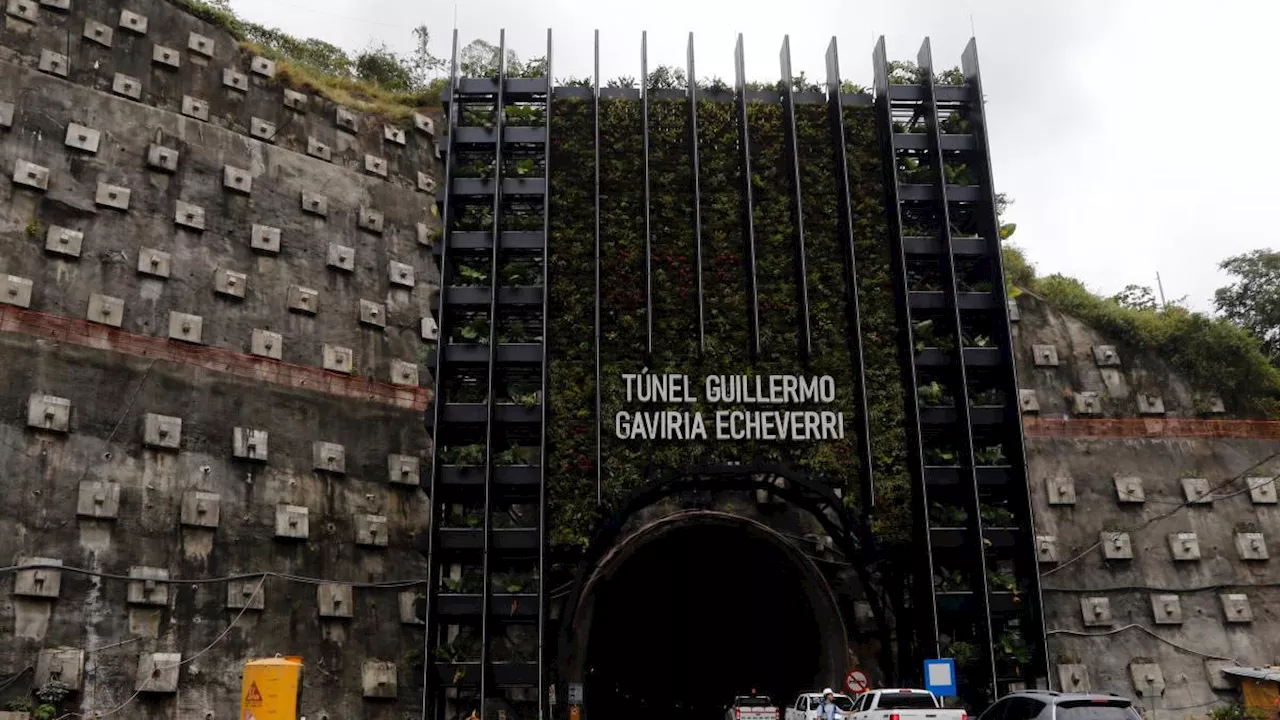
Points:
x=806 y=706
x=902 y=704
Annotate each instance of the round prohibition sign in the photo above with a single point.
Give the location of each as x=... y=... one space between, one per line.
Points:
x=856 y=681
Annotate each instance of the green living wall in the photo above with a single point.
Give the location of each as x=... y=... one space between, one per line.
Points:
x=573 y=431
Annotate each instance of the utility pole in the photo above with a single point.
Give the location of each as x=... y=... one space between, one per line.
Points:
x=1163 y=305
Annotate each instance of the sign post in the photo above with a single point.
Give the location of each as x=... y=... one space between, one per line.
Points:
x=940 y=677
x=856 y=681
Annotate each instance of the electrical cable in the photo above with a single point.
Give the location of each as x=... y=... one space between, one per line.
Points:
x=16 y=676
x=1148 y=588
x=1149 y=631
x=1160 y=517
x=222 y=579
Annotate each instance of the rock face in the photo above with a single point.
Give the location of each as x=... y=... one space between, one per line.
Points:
x=211 y=300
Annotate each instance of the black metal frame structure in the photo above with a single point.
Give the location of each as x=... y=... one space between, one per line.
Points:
x=917 y=126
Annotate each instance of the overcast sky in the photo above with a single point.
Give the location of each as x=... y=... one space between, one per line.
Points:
x=1133 y=136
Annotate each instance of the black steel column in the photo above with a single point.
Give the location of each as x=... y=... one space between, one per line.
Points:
x=697 y=197
x=797 y=204
x=835 y=110
x=648 y=234
x=595 y=101
x=749 y=221
x=543 y=707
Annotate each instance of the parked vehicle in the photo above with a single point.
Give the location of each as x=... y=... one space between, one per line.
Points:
x=1050 y=705
x=806 y=706
x=902 y=704
x=753 y=707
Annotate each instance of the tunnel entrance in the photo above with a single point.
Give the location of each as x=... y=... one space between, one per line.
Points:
x=700 y=607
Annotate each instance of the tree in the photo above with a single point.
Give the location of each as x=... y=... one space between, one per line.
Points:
x=1138 y=297
x=379 y=66
x=424 y=65
x=1253 y=300
x=480 y=59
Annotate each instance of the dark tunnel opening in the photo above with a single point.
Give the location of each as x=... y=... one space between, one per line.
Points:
x=701 y=613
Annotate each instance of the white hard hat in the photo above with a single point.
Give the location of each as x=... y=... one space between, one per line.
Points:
x=828 y=691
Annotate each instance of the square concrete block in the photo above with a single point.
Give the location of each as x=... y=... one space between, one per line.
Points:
x=158 y=673
x=393 y=135
x=1028 y=401
x=185 y=327
x=98 y=499
x=335 y=600
x=425 y=236
x=200 y=45
x=63 y=241
x=63 y=5
x=1045 y=355
x=426 y=183
x=188 y=215
x=409 y=608
x=113 y=196
x=266 y=67
x=196 y=108
x=200 y=509
x=1150 y=404
x=1216 y=406
x=262 y=130
x=162 y=158
x=1088 y=403
x=237 y=179
x=148 y=586
x=430 y=331
x=328 y=457
x=1252 y=546
x=1061 y=490
x=249 y=444
x=317 y=149
x=31 y=175
x=162 y=431
x=1235 y=608
x=375 y=165
x=43 y=582
x=303 y=299
x=1147 y=678
x=246 y=594
x=315 y=203
x=235 y=80
x=424 y=124
x=341 y=257
x=133 y=22
x=127 y=86
x=292 y=522
x=370 y=220
x=265 y=239
x=82 y=138
x=401 y=274
x=1116 y=545
x=1184 y=546
x=48 y=412
x=338 y=359
x=1262 y=490
x=1129 y=490
x=404 y=373
x=230 y=283
x=97 y=32
x=1074 y=677
x=404 y=470
x=62 y=665
x=1106 y=356
x=6 y=114
x=295 y=100
x=15 y=290
x=1213 y=671
x=1166 y=609
x=345 y=119
x=154 y=262
x=24 y=10
x=372 y=313
x=106 y=310
x=1014 y=313
x=265 y=343
x=1096 y=611
x=166 y=57
x=1047 y=549
x=378 y=678
x=1197 y=491
x=371 y=530
x=54 y=63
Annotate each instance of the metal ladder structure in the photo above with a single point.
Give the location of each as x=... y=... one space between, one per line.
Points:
x=485 y=546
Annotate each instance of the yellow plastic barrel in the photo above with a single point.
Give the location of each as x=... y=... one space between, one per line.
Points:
x=269 y=689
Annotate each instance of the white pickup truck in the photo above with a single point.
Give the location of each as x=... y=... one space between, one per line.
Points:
x=806 y=706
x=901 y=704
x=752 y=707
